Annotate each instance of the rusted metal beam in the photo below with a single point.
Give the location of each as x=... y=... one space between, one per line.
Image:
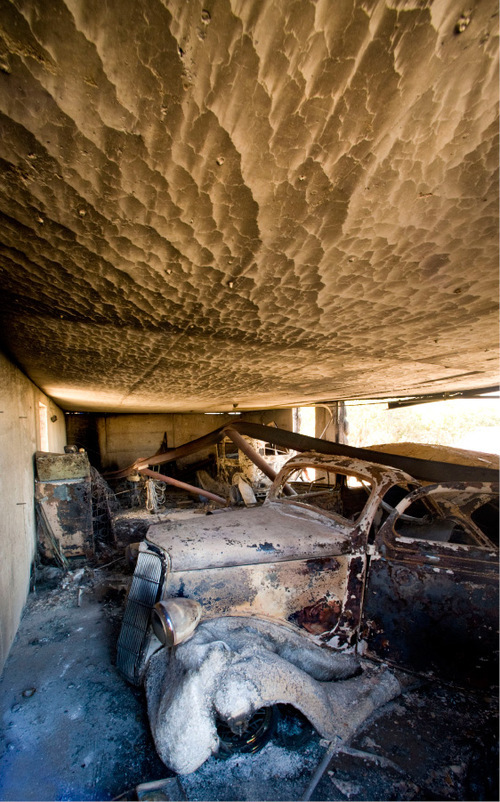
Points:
x=196 y=491
x=428 y=470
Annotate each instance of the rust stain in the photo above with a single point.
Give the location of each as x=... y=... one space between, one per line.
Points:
x=320 y=617
x=322 y=564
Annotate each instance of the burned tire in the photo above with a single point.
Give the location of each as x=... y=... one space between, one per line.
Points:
x=259 y=730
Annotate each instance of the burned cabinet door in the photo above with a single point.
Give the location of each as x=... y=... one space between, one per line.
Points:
x=431 y=599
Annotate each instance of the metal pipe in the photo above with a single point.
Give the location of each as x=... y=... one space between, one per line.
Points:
x=256 y=458
x=197 y=491
x=318 y=774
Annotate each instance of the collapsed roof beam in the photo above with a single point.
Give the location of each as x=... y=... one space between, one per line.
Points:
x=427 y=470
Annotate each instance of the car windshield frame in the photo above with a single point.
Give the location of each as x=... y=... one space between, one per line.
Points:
x=380 y=478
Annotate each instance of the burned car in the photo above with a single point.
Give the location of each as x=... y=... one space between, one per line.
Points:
x=232 y=613
x=431 y=595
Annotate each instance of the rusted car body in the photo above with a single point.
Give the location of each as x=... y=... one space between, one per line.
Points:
x=300 y=559
x=347 y=560
x=431 y=596
x=344 y=553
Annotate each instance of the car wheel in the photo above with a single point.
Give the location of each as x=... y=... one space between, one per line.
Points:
x=256 y=734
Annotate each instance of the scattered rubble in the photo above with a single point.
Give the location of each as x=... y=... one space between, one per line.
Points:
x=84 y=733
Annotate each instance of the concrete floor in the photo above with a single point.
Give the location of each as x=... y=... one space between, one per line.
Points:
x=74 y=730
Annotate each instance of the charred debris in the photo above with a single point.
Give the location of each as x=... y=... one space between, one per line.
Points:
x=385 y=562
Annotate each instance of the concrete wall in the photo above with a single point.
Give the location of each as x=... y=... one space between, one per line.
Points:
x=124 y=438
x=19 y=439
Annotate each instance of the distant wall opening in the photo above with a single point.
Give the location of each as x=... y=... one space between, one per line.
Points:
x=462 y=423
x=304 y=421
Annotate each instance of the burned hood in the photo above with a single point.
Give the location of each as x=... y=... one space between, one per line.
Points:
x=248 y=537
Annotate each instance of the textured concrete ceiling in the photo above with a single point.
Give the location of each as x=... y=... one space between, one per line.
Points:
x=248 y=202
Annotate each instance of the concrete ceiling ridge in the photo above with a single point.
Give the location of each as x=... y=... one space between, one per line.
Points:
x=198 y=197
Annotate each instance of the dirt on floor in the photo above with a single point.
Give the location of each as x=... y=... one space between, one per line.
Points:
x=73 y=729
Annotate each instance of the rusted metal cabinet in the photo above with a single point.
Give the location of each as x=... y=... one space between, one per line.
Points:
x=63 y=493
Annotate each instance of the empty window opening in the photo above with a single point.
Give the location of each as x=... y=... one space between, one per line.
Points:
x=428 y=519
x=459 y=423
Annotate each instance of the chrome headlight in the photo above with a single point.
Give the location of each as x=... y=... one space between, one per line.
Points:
x=175 y=620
